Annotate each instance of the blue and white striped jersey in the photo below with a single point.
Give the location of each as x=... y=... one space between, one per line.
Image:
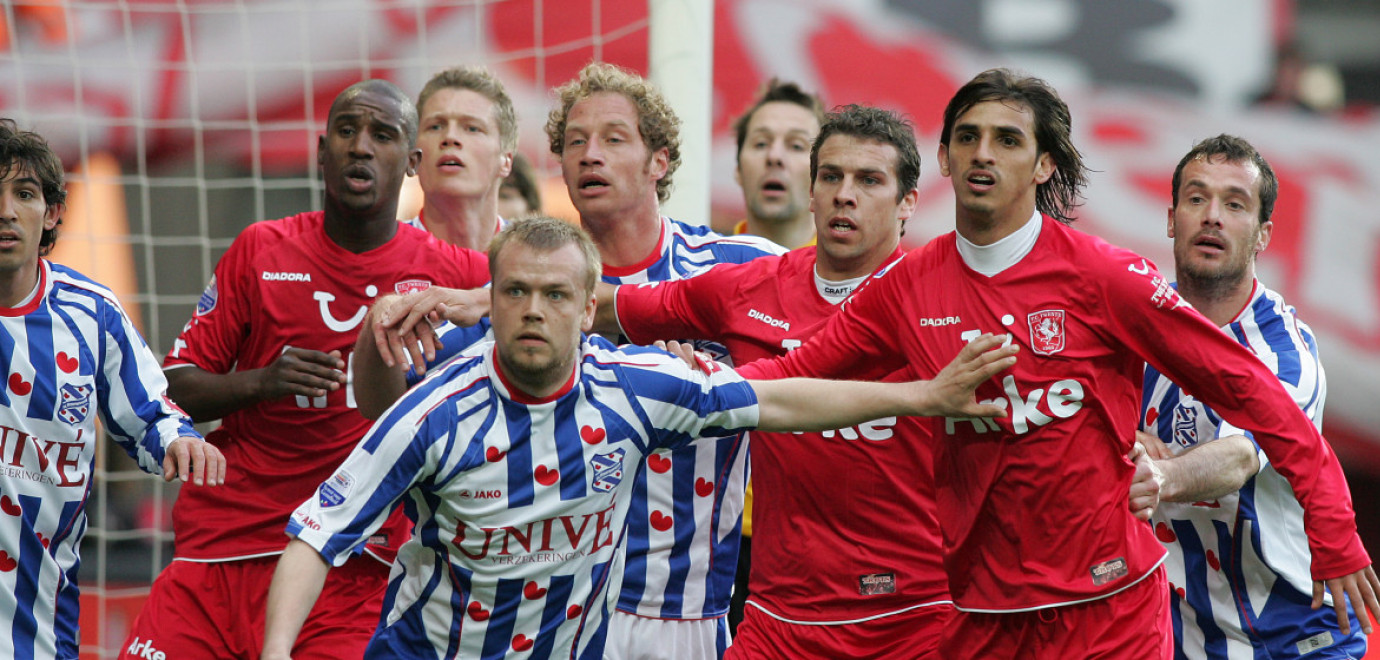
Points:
x=685 y=524
x=1238 y=566
x=71 y=356
x=519 y=503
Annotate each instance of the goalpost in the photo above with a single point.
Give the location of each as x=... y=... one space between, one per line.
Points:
x=182 y=122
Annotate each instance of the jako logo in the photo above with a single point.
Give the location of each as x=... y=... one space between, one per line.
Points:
x=145 y=650
x=776 y=323
x=939 y=321
x=287 y=277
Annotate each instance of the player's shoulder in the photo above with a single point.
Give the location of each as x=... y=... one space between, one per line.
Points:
x=598 y=354
x=1088 y=252
x=744 y=246
x=66 y=278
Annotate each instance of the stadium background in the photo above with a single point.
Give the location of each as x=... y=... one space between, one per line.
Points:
x=183 y=121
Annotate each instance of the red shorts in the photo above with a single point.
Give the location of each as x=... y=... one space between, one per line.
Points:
x=909 y=635
x=215 y=610
x=1131 y=624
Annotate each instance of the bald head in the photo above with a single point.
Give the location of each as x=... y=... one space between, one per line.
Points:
x=406 y=112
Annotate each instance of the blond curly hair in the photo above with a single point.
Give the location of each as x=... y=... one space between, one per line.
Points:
x=656 y=121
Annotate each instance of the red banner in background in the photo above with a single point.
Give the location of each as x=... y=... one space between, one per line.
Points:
x=249 y=82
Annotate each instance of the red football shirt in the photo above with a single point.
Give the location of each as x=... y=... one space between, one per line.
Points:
x=283 y=284
x=1033 y=505
x=844 y=522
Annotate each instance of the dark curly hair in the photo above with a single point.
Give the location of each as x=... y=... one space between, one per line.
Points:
x=21 y=150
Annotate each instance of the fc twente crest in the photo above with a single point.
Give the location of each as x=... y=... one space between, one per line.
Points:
x=1046 y=331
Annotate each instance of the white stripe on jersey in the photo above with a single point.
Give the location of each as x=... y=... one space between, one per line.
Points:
x=677 y=567
x=520 y=508
x=72 y=356
x=1241 y=563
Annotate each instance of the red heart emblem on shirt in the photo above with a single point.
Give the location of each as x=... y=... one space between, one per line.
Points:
x=1164 y=534
x=592 y=435
x=494 y=455
x=703 y=487
x=19 y=386
x=43 y=541
x=546 y=476
x=6 y=563
x=477 y=611
x=1150 y=416
x=8 y=506
x=573 y=611
x=659 y=464
x=660 y=521
x=521 y=643
x=1213 y=562
x=66 y=363
x=533 y=591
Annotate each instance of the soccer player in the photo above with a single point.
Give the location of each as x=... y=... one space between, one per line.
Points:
x=1237 y=567
x=848 y=557
x=468 y=135
x=268 y=352
x=519 y=459
x=618 y=143
x=72 y=355
x=520 y=194
x=1043 y=556
x=774 y=140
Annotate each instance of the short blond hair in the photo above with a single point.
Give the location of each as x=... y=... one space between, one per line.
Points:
x=548 y=234
x=483 y=82
x=657 y=123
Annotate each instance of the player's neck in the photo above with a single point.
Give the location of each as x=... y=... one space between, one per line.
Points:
x=17 y=285
x=985 y=227
x=464 y=221
x=790 y=234
x=839 y=269
x=1221 y=301
x=360 y=234
x=625 y=241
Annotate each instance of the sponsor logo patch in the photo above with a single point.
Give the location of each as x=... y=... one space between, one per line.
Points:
x=608 y=470
x=1108 y=571
x=286 y=277
x=1046 y=331
x=207 y=302
x=411 y=286
x=877 y=584
x=76 y=403
x=334 y=491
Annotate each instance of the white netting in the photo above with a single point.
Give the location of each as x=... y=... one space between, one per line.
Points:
x=181 y=122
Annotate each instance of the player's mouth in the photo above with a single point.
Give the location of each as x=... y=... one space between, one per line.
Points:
x=9 y=239
x=449 y=163
x=839 y=226
x=531 y=339
x=773 y=188
x=981 y=181
x=1210 y=244
x=591 y=184
x=359 y=178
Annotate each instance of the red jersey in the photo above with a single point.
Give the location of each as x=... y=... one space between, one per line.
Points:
x=1034 y=503
x=284 y=284
x=844 y=520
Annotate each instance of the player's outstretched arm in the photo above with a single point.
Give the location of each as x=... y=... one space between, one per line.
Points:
x=194 y=458
x=296 y=584
x=1208 y=471
x=806 y=404
x=206 y=395
x=1362 y=588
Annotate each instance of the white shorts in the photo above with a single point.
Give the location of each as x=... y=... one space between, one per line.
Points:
x=633 y=637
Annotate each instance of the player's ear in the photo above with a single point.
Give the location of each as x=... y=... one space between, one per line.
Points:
x=53 y=215
x=414 y=160
x=659 y=163
x=1044 y=168
x=321 y=150
x=505 y=165
x=907 y=206
x=943 y=159
x=1263 y=240
x=1171 y=222
x=587 y=323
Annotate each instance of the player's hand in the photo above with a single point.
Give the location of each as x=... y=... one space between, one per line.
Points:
x=194 y=459
x=950 y=392
x=1362 y=588
x=302 y=372
x=686 y=352
x=1153 y=446
x=1144 y=495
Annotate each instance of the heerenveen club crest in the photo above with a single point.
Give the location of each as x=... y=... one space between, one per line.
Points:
x=76 y=403
x=1046 y=331
x=608 y=470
